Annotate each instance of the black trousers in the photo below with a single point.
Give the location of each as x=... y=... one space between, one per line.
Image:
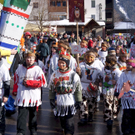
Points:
x=2 y=119
x=43 y=58
x=22 y=117
x=128 y=120
x=67 y=123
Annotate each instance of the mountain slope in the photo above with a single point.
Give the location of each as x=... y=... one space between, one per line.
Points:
x=125 y=9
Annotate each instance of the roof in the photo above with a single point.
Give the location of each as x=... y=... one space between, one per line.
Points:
x=124 y=25
x=66 y=22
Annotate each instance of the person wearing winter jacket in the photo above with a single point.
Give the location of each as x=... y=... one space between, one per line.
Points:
x=27 y=41
x=44 y=50
x=90 y=43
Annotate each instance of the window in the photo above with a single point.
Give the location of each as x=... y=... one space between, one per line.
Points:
x=64 y=4
x=92 y=3
x=58 y=3
x=35 y=5
x=93 y=17
x=35 y=17
x=62 y=17
x=52 y=3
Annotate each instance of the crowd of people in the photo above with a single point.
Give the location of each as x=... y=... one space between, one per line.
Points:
x=106 y=68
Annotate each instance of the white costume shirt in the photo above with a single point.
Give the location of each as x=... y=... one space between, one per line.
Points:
x=4 y=76
x=108 y=76
x=128 y=99
x=89 y=74
x=65 y=84
x=102 y=56
x=28 y=96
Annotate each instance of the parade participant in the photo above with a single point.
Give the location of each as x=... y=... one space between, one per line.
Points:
x=4 y=93
x=88 y=71
x=126 y=88
x=66 y=86
x=54 y=50
x=65 y=37
x=84 y=47
x=99 y=42
x=72 y=38
x=123 y=55
x=28 y=80
x=103 y=52
x=110 y=75
x=63 y=47
x=112 y=51
x=118 y=51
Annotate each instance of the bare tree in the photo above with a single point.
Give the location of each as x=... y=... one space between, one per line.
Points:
x=40 y=13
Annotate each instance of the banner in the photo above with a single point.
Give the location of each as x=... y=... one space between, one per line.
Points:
x=76 y=11
x=12 y=24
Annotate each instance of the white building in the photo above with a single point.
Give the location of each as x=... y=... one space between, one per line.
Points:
x=95 y=9
x=40 y=10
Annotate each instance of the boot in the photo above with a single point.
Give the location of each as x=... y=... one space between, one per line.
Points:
x=82 y=122
x=109 y=124
x=90 y=118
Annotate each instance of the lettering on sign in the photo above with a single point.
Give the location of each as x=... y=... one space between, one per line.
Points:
x=76 y=49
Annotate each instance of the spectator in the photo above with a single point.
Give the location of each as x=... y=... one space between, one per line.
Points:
x=90 y=43
x=44 y=50
x=27 y=41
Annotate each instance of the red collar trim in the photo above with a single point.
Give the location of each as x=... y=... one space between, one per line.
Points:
x=31 y=67
x=65 y=72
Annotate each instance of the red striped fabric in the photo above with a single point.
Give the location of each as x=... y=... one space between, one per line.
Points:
x=16 y=12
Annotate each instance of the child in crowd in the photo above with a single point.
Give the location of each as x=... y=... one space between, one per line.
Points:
x=88 y=71
x=123 y=55
x=84 y=47
x=118 y=51
x=126 y=88
x=103 y=52
x=110 y=75
x=63 y=47
x=66 y=86
x=28 y=80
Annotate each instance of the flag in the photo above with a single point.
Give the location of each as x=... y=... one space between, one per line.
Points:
x=20 y=3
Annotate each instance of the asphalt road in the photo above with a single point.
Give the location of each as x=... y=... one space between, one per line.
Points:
x=49 y=125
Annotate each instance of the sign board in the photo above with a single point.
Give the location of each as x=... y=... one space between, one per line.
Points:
x=76 y=49
x=76 y=10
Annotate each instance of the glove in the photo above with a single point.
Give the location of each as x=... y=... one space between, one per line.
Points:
x=77 y=105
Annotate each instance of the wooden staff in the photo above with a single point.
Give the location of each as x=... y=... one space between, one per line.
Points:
x=77 y=55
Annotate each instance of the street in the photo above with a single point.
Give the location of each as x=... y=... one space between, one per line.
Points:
x=49 y=125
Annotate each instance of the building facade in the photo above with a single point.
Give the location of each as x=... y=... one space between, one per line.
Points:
x=40 y=10
x=58 y=9
x=95 y=9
